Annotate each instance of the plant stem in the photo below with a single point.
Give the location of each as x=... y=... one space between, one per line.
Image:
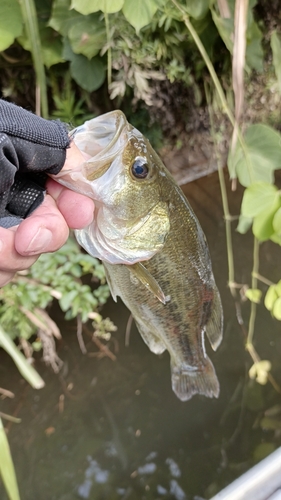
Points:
x=227 y=218
x=109 y=54
x=249 y=342
x=32 y=30
x=216 y=82
x=263 y=279
x=207 y=61
x=227 y=215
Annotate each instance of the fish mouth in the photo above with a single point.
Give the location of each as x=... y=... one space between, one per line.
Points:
x=101 y=139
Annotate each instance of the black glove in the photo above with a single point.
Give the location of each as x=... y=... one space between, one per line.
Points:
x=30 y=147
x=22 y=169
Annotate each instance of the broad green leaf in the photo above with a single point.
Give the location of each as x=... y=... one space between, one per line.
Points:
x=27 y=371
x=263 y=155
x=276 y=311
x=50 y=43
x=277 y=221
x=62 y=17
x=275 y=43
x=7 y=471
x=254 y=295
x=11 y=23
x=88 y=36
x=90 y=75
x=244 y=224
x=270 y=297
x=263 y=226
x=89 y=6
x=197 y=8
x=259 y=197
x=139 y=13
x=276 y=238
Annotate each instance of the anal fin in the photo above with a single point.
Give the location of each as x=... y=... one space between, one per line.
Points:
x=187 y=383
x=154 y=343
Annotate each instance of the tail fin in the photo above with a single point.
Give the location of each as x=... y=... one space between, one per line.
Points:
x=187 y=383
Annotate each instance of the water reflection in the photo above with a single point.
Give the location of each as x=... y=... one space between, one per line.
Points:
x=93 y=473
x=122 y=434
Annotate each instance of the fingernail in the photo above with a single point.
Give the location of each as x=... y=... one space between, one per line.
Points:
x=40 y=241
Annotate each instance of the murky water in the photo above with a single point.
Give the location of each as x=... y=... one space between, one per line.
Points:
x=114 y=429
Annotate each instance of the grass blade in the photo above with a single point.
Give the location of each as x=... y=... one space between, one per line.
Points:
x=27 y=371
x=7 y=470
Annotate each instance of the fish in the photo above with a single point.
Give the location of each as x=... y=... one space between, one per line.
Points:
x=152 y=246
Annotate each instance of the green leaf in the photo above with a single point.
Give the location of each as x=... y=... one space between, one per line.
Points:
x=270 y=297
x=276 y=239
x=225 y=29
x=197 y=8
x=259 y=197
x=11 y=22
x=90 y=75
x=62 y=17
x=254 y=295
x=89 y=6
x=276 y=311
x=7 y=471
x=277 y=221
x=254 y=51
x=275 y=43
x=278 y=288
x=88 y=36
x=268 y=423
x=244 y=224
x=139 y=13
x=51 y=46
x=263 y=226
x=67 y=299
x=263 y=450
x=262 y=149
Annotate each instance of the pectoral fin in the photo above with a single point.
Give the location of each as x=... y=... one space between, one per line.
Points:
x=141 y=273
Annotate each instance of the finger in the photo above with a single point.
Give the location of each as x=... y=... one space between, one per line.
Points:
x=10 y=260
x=44 y=231
x=5 y=278
x=78 y=210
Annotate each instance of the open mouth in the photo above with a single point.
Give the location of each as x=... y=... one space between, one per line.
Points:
x=100 y=139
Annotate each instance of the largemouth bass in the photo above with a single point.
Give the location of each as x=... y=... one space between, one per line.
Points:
x=152 y=246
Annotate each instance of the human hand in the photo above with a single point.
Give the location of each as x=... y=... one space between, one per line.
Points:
x=47 y=228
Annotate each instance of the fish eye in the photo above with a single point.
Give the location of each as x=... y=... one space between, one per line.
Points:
x=140 y=168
